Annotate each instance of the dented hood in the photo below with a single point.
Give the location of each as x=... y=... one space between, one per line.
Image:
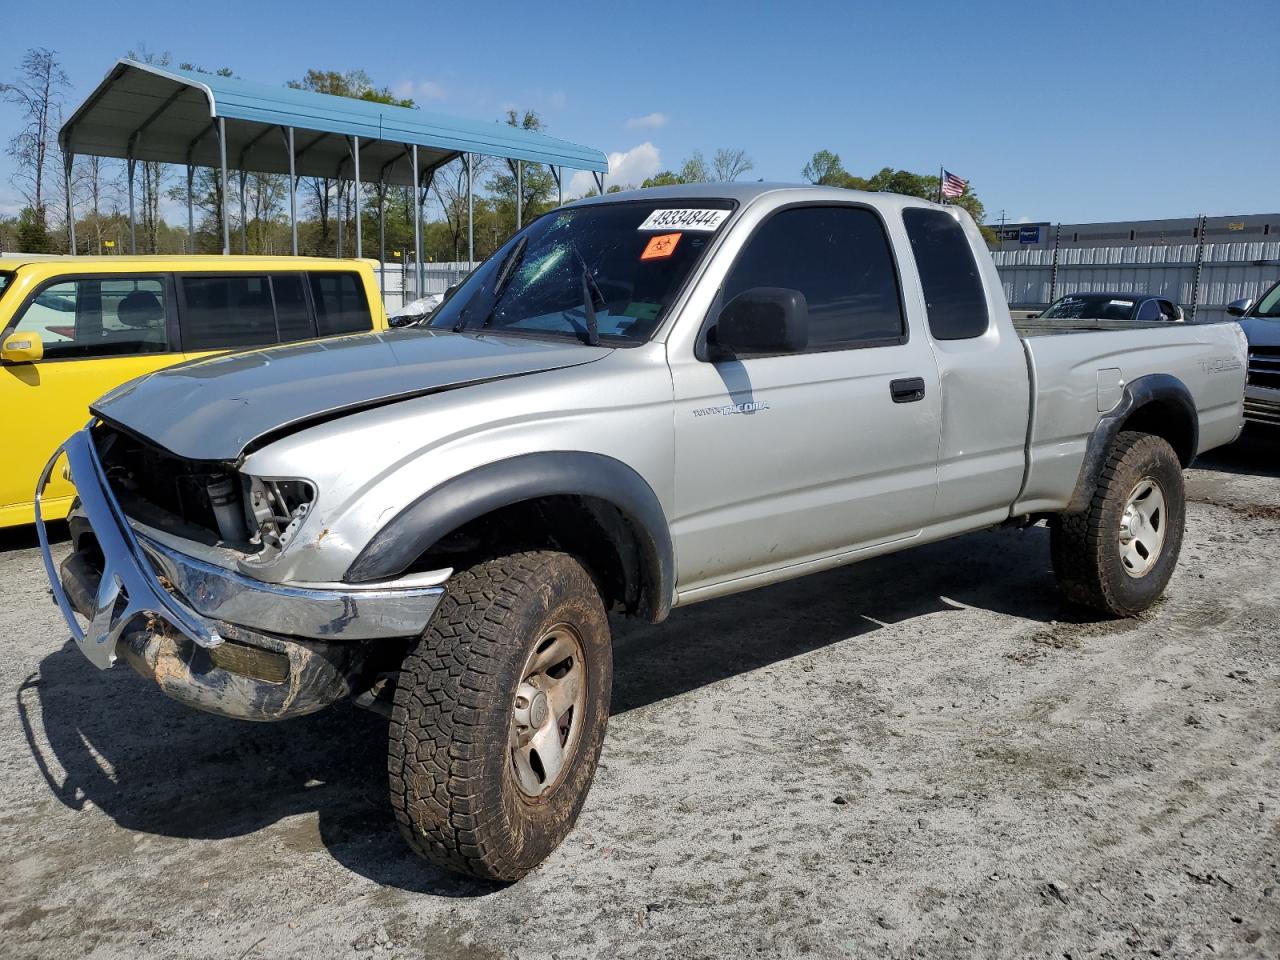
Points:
x=213 y=409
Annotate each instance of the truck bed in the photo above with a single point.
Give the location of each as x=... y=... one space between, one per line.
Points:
x=1078 y=370
x=1037 y=327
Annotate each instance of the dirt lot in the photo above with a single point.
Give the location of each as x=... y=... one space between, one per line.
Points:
x=924 y=755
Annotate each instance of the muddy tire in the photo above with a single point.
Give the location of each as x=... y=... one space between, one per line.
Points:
x=499 y=716
x=1117 y=556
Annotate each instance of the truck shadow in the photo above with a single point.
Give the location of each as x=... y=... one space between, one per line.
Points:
x=112 y=741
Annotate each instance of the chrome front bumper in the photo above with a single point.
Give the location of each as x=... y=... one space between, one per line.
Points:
x=141 y=577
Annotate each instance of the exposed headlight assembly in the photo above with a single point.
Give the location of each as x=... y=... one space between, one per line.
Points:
x=275 y=509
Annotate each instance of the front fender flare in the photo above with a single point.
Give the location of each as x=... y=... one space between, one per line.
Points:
x=502 y=483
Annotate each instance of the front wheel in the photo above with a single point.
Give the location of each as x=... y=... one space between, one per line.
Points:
x=1117 y=555
x=499 y=716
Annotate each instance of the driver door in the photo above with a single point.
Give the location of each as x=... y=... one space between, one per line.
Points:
x=97 y=333
x=786 y=460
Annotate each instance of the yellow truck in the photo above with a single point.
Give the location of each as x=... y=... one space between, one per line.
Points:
x=77 y=327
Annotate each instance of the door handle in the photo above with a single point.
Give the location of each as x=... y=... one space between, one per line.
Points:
x=907 y=390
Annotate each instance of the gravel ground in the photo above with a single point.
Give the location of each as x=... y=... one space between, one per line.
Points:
x=923 y=755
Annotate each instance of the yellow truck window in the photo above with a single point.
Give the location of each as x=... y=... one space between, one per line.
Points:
x=95 y=317
x=226 y=311
x=340 y=302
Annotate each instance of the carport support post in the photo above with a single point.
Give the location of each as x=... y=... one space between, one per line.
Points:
x=471 y=215
x=244 y=216
x=130 y=166
x=68 y=162
x=191 y=214
x=382 y=239
x=417 y=228
x=355 y=192
x=293 y=194
x=519 y=194
x=559 y=171
x=222 y=166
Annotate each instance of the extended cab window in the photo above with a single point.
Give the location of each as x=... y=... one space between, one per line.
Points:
x=839 y=258
x=98 y=317
x=953 y=293
x=293 y=315
x=341 y=306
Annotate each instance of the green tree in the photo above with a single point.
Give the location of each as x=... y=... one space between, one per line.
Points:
x=825 y=168
x=536 y=181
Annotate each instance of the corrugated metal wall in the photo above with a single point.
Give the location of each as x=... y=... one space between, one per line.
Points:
x=1228 y=271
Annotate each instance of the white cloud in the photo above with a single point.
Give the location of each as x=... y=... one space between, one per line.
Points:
x=629 y=167
x=650 y=121
x=420 y=90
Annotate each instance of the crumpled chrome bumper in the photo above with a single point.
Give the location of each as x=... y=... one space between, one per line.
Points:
x=141 y=577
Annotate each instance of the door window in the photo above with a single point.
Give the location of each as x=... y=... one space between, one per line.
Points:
x=953 y=292
x=341 y=306
x=226 y=312
x=839 y=258
x=99 y=317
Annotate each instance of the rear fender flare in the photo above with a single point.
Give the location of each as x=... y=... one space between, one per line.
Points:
x=1161 y=388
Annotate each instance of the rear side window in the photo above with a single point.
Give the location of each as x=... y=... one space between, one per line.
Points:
x=340 y=302
x=839 y=258
x=226 y=312
x=953 y=291
x=293 y=316
x=98 y=317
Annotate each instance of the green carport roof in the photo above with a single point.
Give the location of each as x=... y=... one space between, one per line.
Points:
x=169 y=116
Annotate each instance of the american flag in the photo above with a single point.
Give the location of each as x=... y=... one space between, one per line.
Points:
x=952 y=186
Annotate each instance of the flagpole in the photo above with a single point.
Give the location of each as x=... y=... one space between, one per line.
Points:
x=941 y=172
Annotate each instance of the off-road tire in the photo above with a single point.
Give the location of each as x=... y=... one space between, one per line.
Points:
x=453 y=791
x=1085 y=546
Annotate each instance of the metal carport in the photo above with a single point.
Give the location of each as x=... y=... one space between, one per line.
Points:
x=142 y=112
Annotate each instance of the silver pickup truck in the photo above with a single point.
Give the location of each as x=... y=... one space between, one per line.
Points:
x=639 y=402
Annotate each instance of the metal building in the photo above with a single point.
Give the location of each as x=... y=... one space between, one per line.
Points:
x=142 y=112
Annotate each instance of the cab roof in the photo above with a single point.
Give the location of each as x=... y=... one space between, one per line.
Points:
x=12 y=261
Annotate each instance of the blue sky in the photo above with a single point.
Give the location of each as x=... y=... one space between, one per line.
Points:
x=1055 y=111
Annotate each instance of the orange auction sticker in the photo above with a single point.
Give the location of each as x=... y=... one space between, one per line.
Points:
x=660 y=247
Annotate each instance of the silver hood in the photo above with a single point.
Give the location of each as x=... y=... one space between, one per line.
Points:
x=213 y=409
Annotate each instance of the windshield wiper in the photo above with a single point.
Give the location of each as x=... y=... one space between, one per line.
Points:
x=500 y=282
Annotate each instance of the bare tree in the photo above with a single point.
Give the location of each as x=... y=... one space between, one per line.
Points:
x=154 y=175
x=92 y=176
x=37 y=91
x=731 y=164
x=450 y=185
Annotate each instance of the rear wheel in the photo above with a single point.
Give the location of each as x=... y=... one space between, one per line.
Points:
x=500 y=715
x=1117 y=555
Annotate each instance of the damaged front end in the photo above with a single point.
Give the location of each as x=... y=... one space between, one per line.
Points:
x=209 y=635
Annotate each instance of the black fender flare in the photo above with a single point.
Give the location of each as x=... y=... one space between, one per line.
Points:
x=506 y=482
x=1162 y=388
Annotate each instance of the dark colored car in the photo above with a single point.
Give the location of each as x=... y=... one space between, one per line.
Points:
x=1113 y=306
x=1261 y=324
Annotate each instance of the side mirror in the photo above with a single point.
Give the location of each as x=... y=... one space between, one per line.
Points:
x=26 y=347
x=1238 y=308
x=763 y=320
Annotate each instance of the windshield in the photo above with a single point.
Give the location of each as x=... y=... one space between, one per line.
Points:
x=1086 y=307
x=603 y=271
x=1269 y=305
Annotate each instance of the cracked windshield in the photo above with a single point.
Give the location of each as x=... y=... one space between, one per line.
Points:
x=603 y=273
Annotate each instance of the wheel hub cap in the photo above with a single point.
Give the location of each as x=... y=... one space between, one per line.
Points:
x=546 y=716
x=1142 y=528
